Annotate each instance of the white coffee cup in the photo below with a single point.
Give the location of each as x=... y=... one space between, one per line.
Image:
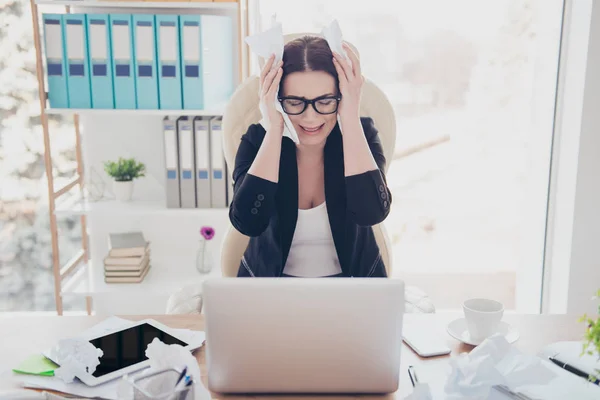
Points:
x=483 y=317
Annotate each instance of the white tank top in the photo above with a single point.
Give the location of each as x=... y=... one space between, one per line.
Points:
x=312 y=253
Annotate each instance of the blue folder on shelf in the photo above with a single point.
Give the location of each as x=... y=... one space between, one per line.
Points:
x=101 y=60
x=121 y=36
x=206 y=60
x=78 y=78
x=169 y=74
x=146 y=78
x=58 y=93
x=191 y=62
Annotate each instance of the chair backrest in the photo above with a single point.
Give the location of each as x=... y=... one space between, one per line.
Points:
x=242 y=111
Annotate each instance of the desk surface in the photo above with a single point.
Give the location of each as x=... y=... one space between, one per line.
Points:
x=22 y=336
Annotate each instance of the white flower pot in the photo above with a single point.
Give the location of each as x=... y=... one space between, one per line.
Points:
x=123 y=190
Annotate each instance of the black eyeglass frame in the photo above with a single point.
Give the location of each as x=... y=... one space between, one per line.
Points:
x=312 y=102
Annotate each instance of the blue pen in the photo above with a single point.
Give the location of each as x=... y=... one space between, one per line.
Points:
x=183 y=383
x=181 y=375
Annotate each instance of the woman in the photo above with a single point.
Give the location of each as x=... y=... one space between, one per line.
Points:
x=309 y=207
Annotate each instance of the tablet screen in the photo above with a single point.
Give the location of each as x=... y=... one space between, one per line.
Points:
x=128 y=347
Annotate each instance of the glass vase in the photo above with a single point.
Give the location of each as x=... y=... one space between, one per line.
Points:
x=204 y=259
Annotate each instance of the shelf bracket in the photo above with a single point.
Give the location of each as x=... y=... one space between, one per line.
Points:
x=72 y=264
x=75 y=181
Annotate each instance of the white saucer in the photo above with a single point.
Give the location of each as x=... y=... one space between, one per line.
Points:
x=458 y=330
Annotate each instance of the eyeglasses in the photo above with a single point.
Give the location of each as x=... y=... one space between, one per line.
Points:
x=323 y=104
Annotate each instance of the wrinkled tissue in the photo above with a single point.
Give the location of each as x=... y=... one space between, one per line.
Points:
x=265 y=44
x=333 y=34
x=493 y=362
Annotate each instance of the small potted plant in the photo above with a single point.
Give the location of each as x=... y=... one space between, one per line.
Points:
x=591 y=342
x=124 y=171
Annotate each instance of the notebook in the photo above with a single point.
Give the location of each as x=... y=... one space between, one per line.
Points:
x=127 y=244
x=128 y=279
x=125 y=263
x=130 y=274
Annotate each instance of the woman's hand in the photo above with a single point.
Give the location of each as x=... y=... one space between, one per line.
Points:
x=351 y=81
x=269 y=86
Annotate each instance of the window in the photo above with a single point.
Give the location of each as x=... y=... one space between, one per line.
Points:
x=472 y=84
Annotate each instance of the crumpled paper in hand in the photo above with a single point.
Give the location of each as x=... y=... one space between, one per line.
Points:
x=493 y=362
x=164 y=356
x=76 y=357
x=333 y=34
x=265 y=44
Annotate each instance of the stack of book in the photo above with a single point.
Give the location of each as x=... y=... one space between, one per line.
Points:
x=128 y=259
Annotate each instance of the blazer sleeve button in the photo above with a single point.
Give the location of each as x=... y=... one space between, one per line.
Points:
x=254 y=211
x=383 y=196
x=381 y=188
x=257 y=204
x=385 y=204
x=260 y=197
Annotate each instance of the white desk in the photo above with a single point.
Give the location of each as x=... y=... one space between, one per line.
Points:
x=21 y=336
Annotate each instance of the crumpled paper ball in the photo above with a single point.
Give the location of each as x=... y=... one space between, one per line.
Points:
x=76 y=357
x=493 y=362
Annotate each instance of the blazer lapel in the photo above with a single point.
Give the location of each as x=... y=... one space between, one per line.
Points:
x=288 y=197
x=335 y=192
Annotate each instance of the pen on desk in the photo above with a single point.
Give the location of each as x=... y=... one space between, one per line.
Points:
x=412 y=374
x=574 y=370
x=181 y=375
x=181 y=389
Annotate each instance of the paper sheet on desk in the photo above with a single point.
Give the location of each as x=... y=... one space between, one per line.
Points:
x=109 y=389
x=105 y=391
x=565 y=385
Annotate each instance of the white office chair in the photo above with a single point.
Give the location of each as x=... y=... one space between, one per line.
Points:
x=241 y=111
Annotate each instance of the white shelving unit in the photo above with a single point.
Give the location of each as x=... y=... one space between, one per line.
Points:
x=86 y=282
x=193 y=5
x=83 y=111
x=108 y=134
x=107 y=207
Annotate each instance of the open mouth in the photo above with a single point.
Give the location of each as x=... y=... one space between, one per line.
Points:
x=312 y=130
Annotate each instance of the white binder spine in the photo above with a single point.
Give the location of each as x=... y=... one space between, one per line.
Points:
x=171 y=163
x=202 y=142
x=217 y=176
x=187 y=183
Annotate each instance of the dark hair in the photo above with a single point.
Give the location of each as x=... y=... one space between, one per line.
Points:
x=308 y=53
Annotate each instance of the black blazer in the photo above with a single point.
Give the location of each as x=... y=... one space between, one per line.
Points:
x=268 y=211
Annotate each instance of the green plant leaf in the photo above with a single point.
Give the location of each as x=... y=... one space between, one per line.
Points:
x=591 y=336
x=124 y=170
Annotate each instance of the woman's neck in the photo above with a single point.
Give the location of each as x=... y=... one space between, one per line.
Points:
x=310 y=155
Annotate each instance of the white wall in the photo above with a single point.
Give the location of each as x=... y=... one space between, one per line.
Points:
x=573 y=242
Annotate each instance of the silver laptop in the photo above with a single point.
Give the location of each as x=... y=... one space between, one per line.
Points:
x=303 y=335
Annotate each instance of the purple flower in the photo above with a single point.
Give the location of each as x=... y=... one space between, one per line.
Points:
x=207 y=232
